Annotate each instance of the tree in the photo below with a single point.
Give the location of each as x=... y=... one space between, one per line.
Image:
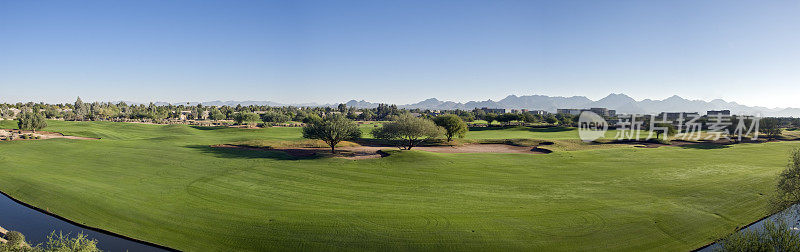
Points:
x=661 y=128
x=528 y=118
x=789 y=181
x=31 y=121
x=770 y=127
x=411 y=131
x=215 y=114
x=506 y=118
x=453 y=126
x=311 y=118
x=80 y=109
x=332 y=130
x=489 y=118
x=367 y=115
x=551 y=119
x=243 y=117
x=274 y=117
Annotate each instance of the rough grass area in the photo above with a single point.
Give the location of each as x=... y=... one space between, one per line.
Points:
x=164 y=184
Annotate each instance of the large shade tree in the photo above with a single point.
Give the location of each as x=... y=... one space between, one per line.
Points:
x=453 y=126
x=31 y=121
x=332 y=130
x=666 y=129
x=409 y=130
x=245 y=117
x=770 y=127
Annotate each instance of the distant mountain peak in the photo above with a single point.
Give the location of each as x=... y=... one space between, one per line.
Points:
x=622 y=103
x=675 y=98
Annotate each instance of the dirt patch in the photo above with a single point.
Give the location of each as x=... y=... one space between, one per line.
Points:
x=38 y=135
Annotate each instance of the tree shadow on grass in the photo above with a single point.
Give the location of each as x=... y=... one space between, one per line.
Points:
x=706 y=146
x=208 y=127
x=251 y=153
x=531 y=129
x=551 y=129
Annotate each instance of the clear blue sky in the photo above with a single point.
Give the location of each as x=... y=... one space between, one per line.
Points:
x=398 y=51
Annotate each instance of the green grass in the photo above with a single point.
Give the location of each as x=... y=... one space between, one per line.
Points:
x=165 y=185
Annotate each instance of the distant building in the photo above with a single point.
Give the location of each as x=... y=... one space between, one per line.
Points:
x=569 y=111
x=184 y=114
x=604 y=112
x=599 y=111
x=718 y=112
x=672 y=116
x=538 y=112
x=494 y=110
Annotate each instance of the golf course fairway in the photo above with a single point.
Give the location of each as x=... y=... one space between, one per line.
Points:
x=165 y=185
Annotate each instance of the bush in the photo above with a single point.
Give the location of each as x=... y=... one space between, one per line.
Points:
x=773 y=237
x=55 y=243
x=15 y=239
x=63 y=242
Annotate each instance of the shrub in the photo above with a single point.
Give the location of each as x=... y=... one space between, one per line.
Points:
x=15 y=239
x=63 y=242
x=773 y=237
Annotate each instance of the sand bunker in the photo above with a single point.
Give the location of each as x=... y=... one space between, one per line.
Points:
x=38 y=135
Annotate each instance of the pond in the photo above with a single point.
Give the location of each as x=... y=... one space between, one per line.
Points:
x=36 y=226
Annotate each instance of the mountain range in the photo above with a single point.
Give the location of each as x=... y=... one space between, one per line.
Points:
x=620 y=102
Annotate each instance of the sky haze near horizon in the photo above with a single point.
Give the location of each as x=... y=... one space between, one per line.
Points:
x=398 y=52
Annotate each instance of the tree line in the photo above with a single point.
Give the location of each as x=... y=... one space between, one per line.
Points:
x=121 y=111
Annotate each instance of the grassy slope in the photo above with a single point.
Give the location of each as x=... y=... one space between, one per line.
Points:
x=163 y=184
